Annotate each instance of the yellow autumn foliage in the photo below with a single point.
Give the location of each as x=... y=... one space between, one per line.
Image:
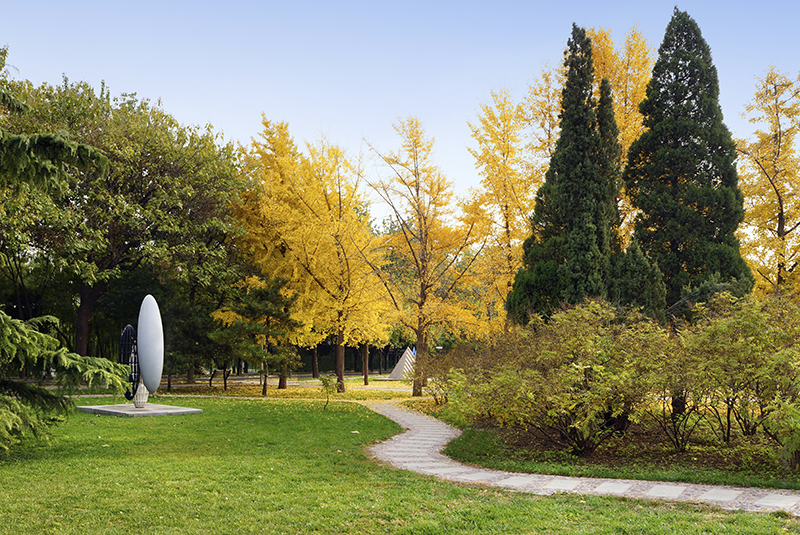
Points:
x=769 y=177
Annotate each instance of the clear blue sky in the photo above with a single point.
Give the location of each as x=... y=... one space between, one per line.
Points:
x=349 y=69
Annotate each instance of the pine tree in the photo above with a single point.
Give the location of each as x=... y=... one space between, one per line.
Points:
x=257 y=325
x=568 y=256
x=681 y=173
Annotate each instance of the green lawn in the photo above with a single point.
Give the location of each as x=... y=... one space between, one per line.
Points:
x=279 y=466
x=353 y=392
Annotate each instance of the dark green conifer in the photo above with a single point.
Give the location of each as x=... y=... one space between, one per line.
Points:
x=568 y=256
x=610 y=164
x=640 y=283
x=681 y=173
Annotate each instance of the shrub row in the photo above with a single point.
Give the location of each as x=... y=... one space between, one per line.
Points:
x=590 y=370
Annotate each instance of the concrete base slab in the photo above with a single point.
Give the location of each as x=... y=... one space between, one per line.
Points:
x=128 y=410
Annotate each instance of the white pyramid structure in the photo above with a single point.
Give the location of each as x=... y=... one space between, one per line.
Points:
x=404 y=369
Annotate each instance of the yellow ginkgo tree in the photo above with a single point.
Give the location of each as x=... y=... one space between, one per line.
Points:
x=769 y=176
x=505 y=198
x=306 y=220
x=430 y=250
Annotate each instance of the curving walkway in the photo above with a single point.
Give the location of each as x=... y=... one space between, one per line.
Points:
x=419 y=449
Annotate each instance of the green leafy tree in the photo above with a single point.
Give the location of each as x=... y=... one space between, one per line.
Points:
x=45 y=160
x=681 y=173
x=28 y=409
x=609 y=161
x=747 y=349
x=163 y=203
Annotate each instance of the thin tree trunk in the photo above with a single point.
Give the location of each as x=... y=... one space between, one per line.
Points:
x=365 y=362
x=340 y=360
x=315 y=363
x=419 y=362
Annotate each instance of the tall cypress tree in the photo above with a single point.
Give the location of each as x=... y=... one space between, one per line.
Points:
x=681 y=173
x=567 y=257
x=609 y=161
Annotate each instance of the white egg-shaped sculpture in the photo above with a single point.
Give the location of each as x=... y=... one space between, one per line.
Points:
x=150 y=342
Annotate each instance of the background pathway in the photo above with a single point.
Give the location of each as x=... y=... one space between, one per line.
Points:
x=419 y=449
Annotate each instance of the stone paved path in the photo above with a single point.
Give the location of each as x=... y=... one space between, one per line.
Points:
x=419 y=449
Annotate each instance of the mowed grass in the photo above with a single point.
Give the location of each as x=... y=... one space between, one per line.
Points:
x=283 y=466
x=352 y=393
x=355 y=390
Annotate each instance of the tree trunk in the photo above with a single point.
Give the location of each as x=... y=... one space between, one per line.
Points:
x=225 y=376
x=283 y=377
x=365 y=362
x=266 y=376
x=88 y=297
x=315 y=363
x=190 y=373
x=210 y=379
x=419 y=362
x=340 y=360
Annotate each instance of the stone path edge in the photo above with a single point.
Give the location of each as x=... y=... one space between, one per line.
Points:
x=419 y=449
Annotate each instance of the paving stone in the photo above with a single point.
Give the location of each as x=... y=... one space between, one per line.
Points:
x=451 y=470
x=665 y=491
x=780 y=501
x=518 y=481
x=613 y=487
x=478 y=476
x=563 y=484
x=425 y=466
x=721 y=495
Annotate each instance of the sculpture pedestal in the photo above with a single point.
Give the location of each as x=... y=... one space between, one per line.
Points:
x=128 y=410
x=140 y=399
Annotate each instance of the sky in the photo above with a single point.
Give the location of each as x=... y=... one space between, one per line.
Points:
x=349 y=70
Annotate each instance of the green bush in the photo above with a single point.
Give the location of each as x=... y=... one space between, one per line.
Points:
x=591 y=369
x=575 y=379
